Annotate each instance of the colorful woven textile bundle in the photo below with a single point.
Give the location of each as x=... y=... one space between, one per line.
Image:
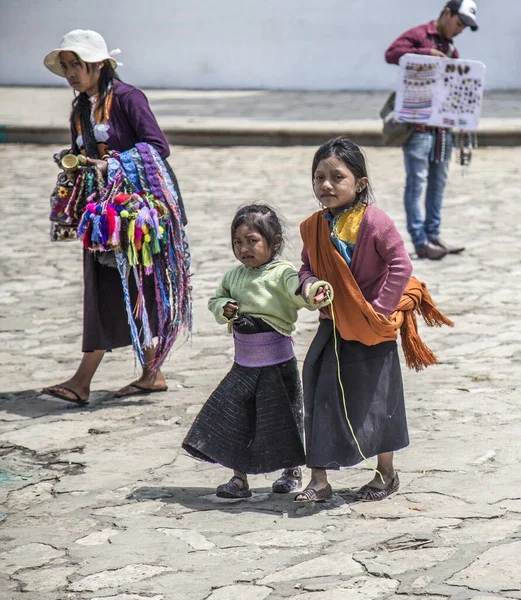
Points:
x=137 y=217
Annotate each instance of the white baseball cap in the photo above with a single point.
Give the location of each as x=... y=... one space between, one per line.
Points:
x=466 y=11
x=89 y=45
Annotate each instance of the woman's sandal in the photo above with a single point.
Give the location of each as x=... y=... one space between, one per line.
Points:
x=370 y=494
x=231 y=489
x=311 y=495
x=65 y=393
x=135 y=389
x=285 y=484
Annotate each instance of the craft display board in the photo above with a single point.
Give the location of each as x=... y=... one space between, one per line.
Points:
x=441 y=92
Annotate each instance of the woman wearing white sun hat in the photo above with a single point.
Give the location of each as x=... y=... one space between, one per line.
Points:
x=107 y=115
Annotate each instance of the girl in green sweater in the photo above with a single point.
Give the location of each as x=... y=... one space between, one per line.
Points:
x=252 y=422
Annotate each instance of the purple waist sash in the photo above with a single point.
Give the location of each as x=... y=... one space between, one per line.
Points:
x=262 y=349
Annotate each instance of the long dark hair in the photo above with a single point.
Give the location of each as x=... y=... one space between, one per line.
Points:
x=81 y=105
x=264 y=220
x=352 y=157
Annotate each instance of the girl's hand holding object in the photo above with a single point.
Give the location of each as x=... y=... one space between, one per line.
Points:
x=322 y=294
x=229 y=309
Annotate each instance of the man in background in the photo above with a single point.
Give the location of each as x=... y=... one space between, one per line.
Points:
x=427 y=151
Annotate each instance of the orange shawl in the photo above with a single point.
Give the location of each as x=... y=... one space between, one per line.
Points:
x=354 y=317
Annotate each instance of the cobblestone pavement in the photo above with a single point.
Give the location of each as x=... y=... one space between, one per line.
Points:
x=100 y=502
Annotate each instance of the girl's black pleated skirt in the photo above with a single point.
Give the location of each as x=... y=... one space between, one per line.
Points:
x=372 y=381
x=252 y=422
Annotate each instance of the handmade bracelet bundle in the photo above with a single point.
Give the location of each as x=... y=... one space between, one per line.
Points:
x=68 y=200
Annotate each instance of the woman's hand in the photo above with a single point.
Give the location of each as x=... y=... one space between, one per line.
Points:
x=230 y=309
x=435 y=52
x=102 y=165
x=322 y=294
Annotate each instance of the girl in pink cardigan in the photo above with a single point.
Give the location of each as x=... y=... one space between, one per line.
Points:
x=368 y=241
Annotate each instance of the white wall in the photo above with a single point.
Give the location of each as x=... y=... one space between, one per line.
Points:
x=274 y=44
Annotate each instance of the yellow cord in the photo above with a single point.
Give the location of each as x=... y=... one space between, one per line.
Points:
x=344 y=397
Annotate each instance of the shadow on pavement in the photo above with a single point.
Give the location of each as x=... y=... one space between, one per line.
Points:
x=33 y=404
x=262 y=501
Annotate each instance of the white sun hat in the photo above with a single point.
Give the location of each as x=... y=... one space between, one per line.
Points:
x=89 y=45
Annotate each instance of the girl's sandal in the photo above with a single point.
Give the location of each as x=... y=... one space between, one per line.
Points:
x=232 y=489
x=369 y=494
x=311 y=495
x=285 y=484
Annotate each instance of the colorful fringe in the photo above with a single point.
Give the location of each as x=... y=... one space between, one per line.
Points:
x=138 y=217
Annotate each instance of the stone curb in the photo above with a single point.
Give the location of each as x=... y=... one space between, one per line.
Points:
x=244 y=132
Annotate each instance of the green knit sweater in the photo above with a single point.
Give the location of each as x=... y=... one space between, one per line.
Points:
x=267 y=292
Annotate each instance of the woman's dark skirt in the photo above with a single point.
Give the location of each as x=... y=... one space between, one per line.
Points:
x=105 y=322
x=252 y=422
x=372 y=381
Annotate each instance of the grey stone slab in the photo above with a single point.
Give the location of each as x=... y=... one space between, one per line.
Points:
x=381 y=533
x=357 y=588
x=483 y=597
x=195 y=540
x=48 y=436
x=420 y=597
x=496 y=570
x=477 y=531
x=336 y=564
x=429 y=505
x=459 y=485
x=57 y=532
x=241 y=592
x=129 y=597
x=511 y=505
x=52 y=579
x=134 y=510
x=283 y=538
x=390 y=564
x=28 y=556
x=30 y=495
x=116 y=578
x=97 y=538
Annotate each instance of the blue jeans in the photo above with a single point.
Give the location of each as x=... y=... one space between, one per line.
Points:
x=424 y=176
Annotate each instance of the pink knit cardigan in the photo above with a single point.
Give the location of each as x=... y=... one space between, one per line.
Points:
x=380 y=265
